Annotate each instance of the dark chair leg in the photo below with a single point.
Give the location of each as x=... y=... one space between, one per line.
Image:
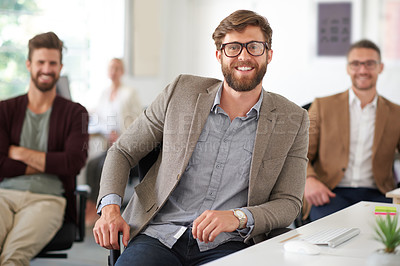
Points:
x=112 y=258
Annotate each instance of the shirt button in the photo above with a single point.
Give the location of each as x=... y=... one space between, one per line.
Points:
x=218 y=166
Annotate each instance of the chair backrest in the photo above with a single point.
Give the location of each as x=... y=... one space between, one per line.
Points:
x=307 y=106
x=147 y=162
x=62 y=87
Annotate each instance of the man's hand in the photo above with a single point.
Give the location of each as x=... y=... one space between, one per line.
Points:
x=210 y=224
x=316 y=193
x=30 y=170
x=15 y=152
x=36 y=160
x=106 y=229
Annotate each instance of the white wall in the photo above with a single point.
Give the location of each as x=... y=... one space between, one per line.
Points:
x=295 y=71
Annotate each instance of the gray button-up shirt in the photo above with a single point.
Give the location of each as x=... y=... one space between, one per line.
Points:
x=216 y=178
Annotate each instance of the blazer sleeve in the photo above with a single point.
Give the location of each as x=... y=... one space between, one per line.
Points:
x=8 y=166
x=285 y=201
x=141 y=137
x=314 y=133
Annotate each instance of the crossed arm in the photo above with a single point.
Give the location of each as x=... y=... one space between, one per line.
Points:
x=35 y=160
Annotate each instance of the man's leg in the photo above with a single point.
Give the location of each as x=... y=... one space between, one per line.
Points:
x=190 y=253
x=218 y=252
x=38 y=217
x=369 y=194
x=346 y=197
x=7 y=217
x=145 y=250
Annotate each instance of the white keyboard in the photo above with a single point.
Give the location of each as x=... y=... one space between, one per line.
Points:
x=332 y=237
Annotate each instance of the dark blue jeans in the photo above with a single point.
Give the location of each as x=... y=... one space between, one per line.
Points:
x=346 y=197
x=147 y=251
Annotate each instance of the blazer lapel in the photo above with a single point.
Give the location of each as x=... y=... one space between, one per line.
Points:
x=201 y=111
x=341 y=109
x=265 y=127
x=382 y=113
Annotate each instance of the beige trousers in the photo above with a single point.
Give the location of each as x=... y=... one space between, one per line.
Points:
x=28 y=221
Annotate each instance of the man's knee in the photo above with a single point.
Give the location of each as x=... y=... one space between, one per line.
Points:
x=141 y=251
x=15 y=257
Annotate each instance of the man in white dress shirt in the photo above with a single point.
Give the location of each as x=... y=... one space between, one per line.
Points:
x=353 y=139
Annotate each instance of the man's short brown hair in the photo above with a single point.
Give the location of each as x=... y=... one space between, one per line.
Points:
x=47 y=40
x=365 y=44
x=238 y=21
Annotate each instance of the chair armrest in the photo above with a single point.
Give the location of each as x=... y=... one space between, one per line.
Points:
x=82 y=192
x=395 y=195
x=112 y=258
x=115 y=253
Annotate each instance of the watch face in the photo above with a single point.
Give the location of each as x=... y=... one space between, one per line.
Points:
x=239 y=214
x=242 y=218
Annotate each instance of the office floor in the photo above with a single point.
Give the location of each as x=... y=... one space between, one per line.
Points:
x=87 y=253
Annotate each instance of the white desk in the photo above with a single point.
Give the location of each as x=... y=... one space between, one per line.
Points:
x=353 y=252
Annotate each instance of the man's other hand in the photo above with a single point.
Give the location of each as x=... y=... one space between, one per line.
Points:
x=36 y=160
x=210 y=224
x=316 y=193
x=15 y=152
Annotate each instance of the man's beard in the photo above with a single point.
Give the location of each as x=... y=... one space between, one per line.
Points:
x=362 y=87
x=44 y=87
x=244 y=83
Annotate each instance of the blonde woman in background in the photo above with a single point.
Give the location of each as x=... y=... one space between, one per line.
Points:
x=118 y=107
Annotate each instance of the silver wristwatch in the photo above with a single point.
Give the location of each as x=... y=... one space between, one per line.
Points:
x=242 y=218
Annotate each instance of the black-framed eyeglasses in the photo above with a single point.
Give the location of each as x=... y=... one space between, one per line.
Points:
x=369 y=64
x=233 y=49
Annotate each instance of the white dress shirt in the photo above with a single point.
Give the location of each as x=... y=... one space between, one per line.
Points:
x=362 y=127
x=115 y=115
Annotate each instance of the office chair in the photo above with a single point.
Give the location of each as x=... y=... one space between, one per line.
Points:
x=306 y=106
x=144 y=165
x=70 y=231
x=62 y=87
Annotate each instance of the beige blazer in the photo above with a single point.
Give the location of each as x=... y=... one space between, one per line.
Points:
x=176 y=118
x=328 y=151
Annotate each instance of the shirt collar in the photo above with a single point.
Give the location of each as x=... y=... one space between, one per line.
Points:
x=256 y=108
x=353 y=99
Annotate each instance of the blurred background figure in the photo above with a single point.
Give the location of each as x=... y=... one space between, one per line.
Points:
x=117 y=108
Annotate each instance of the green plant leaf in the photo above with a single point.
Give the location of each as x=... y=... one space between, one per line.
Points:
x=387 y=231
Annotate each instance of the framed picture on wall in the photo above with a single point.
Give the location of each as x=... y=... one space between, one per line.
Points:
x=334 y=28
